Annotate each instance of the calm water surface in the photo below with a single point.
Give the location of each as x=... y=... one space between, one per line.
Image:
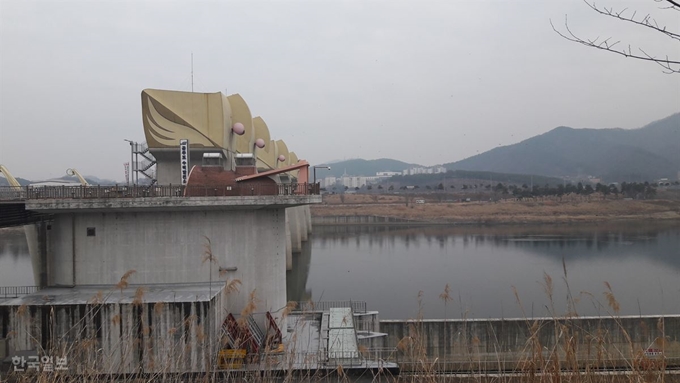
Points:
x=388 y=266
x=15 y=261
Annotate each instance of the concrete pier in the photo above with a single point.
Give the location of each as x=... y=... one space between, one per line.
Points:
x=295 y=227
x=38 y=248
x=298 y=228
x=304 y=230
x=289 y=244
x=308 y=217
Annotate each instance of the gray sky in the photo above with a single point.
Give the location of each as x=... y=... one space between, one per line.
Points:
x=420 y=81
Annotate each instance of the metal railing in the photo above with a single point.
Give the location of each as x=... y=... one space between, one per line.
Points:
x=140 y=147
x=7 y=292
x=9 y=193
x=309 y=360
x=414 y=362
x=308 y=306
x=12 y=193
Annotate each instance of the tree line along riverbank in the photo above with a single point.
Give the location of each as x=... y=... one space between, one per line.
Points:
x=503 y=211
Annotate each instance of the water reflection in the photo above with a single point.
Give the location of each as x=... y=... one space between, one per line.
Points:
x=15 y=261
x=296 y=279
x=388 y=266
x=553 y=240
x=13 y=243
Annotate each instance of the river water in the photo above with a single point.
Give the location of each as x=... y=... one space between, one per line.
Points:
x=15 y=261
x=389 y=267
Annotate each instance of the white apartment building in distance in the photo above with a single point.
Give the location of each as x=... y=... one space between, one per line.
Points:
x=424 y=170
x=353 y=182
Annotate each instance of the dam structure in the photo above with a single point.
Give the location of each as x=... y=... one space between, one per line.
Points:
x=149 y=278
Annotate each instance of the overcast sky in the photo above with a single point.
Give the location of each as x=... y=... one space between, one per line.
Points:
x=428 y=82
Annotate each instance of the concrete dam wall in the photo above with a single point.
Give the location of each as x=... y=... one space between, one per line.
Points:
x=511 y=344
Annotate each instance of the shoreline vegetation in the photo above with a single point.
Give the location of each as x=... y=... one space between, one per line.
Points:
x=432 y=210
x=559 y=348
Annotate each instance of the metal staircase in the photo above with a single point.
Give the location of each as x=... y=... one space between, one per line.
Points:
x=274 y=338
x=243 y=336
x=257 y=334
x=146 y=165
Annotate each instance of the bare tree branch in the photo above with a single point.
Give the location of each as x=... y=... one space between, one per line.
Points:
x=646 y=21
x=674 y=3
x=670 y=66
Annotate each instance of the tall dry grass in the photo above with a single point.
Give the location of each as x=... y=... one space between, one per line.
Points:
x=552 y=352
x=556 y=357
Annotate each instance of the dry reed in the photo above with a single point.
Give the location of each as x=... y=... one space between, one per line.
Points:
x=554 y=350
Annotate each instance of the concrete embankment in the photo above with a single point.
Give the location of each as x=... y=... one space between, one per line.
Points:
x=363 y=220
x=518 y=344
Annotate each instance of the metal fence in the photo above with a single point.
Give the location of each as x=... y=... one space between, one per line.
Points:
x=414 y=361
x=12 y=193
x=7 y=292
x=308 y=306
x=295 y=360
x=154 y=191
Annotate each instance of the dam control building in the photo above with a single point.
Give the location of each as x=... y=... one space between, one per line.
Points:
x=144 y=278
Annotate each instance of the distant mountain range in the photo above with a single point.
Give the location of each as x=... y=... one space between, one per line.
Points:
x=647 y=153
x=22 y=181
x=643 y=154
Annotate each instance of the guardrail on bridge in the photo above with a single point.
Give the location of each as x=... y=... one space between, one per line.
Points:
x=7 y=292
x=309 y=306
x=11 y=193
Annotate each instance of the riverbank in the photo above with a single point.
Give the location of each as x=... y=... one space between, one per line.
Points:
x=398 y=209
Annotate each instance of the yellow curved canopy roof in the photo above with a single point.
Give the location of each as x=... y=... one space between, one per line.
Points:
x=206 y=120
x=169 y=116
x=267 y=154
x=241 y=113
x=282 y=149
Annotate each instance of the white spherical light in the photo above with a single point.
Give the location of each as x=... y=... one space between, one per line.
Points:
x=238 y=128
x=282 y=158
x=259 y=143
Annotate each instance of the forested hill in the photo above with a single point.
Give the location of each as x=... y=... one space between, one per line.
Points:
x=22 y=182
x=650 y=152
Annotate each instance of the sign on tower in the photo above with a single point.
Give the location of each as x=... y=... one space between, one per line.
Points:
x=184 y=160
